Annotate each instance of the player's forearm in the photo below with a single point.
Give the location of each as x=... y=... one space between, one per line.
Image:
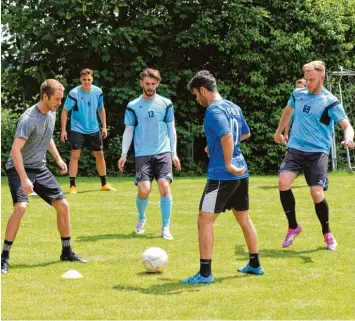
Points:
x=349 y=133
x=245 y=136
x=127 y=139
x=52 y=148
x=102 y=114
x=18 y=162
x=228 y=148
x=172 y=136
x=64 y=119
x=285 y=118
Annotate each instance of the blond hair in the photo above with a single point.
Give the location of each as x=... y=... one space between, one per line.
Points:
x=152 y=73
x=317 y=65
x=49 y=86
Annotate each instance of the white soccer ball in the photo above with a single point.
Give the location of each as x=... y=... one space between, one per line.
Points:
x=154 y=259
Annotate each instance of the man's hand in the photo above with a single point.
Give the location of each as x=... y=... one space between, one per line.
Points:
x=279 y=138
x=236 y=170
x=348 y=143
x=63 y=166
x=104 y=132
x=207 y=151
x=122 y=162
x=26 y=185
x=63 y=136
x=176 y=162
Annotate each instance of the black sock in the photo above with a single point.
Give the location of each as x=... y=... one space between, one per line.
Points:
x=322 y=211
x=103 y=180
x=72 y=181
x=254 y=260
x=289 y=204
x=66 y=247
x=6 y=250
x=205 y=267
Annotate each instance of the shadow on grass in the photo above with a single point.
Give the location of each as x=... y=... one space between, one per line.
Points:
x=84 y=192
x=94 y=238
x=276 y=187
x=28 y=266
x=171 y=288
x=282 y=253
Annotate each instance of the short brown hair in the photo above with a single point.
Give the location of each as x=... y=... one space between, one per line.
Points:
x=86 y=72
x=301 y=81
x=152 y=73
x=317 y=65
x=49 y=86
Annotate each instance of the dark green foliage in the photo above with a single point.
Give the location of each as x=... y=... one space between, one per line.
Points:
x=255 y=49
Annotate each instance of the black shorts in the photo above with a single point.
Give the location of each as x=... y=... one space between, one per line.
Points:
x=313 y=165
x=44 y=184
x=220 y=196
x=91 y=141
x=156 y=166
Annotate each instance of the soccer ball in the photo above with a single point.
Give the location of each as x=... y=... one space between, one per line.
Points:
x=154 y=259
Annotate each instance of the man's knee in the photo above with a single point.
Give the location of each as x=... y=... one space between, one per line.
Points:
x=74 y=156
x=20 y=208
x=317 y=194
x=62 y=206
x=285 y=182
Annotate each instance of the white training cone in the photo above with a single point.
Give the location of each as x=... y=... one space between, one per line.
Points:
x=72 y=274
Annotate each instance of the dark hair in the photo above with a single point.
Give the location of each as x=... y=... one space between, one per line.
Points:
x=204 y=79
x=86 y=72
x=152 y=73
x=49 y=86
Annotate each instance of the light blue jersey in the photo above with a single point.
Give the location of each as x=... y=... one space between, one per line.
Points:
x=223 y=117
x=149 y=119
x=314 y=117
x=84 y=107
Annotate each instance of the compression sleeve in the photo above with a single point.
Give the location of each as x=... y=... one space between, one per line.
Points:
x=127 y=139
x=172 y=136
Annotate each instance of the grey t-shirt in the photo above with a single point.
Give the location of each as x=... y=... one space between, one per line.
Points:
x=37 y=129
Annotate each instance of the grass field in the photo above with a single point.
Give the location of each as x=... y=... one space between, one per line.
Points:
x=302 y=282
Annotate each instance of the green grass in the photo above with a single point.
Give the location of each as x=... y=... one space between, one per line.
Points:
x=302 y=282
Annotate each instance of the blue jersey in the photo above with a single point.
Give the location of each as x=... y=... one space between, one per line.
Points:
x=149 y=119
x=314 y=117
x=84 y=107
x=223 y=117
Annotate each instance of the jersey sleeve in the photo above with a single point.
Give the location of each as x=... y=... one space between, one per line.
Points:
x=130 y=117
x=24 y=129
x=245 y=127
x=101 y=100
x=70 y=101
x=337 y=113
x=292 y=100
x=169 y=114
x=216 y=120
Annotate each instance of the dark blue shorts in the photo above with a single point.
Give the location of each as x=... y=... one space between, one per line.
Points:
x=156 y=166
x=313 y=165
x=91 y=141
x=44 y=184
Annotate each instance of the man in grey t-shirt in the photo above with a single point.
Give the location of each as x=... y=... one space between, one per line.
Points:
x=27 y=171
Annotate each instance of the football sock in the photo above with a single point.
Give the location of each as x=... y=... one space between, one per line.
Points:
x=72 y=181
x=205 y=268
x=254 y=260
x=5 y=252
x=103 y=180
x=322 y=211
x=166 y=204
x=141 y=206
x=66 y=245
x=288 y=203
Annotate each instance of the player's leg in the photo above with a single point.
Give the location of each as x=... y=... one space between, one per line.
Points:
x=48 y=189
x=94 y=142
x=316 y=176
x=162 y=169
x=143 y=180
x=76 y=140
x=20 y=201
x=239 y=202
x=289 y=170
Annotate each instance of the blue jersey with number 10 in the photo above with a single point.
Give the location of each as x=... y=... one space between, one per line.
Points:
x=223 y=117
x=149 y=119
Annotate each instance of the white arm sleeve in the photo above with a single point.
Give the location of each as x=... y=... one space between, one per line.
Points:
x=172 y=136
x=127 y=139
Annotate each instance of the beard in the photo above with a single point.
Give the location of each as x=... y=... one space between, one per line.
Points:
x=149 y=93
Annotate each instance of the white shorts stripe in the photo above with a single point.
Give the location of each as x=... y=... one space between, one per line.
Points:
x=209 y=201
